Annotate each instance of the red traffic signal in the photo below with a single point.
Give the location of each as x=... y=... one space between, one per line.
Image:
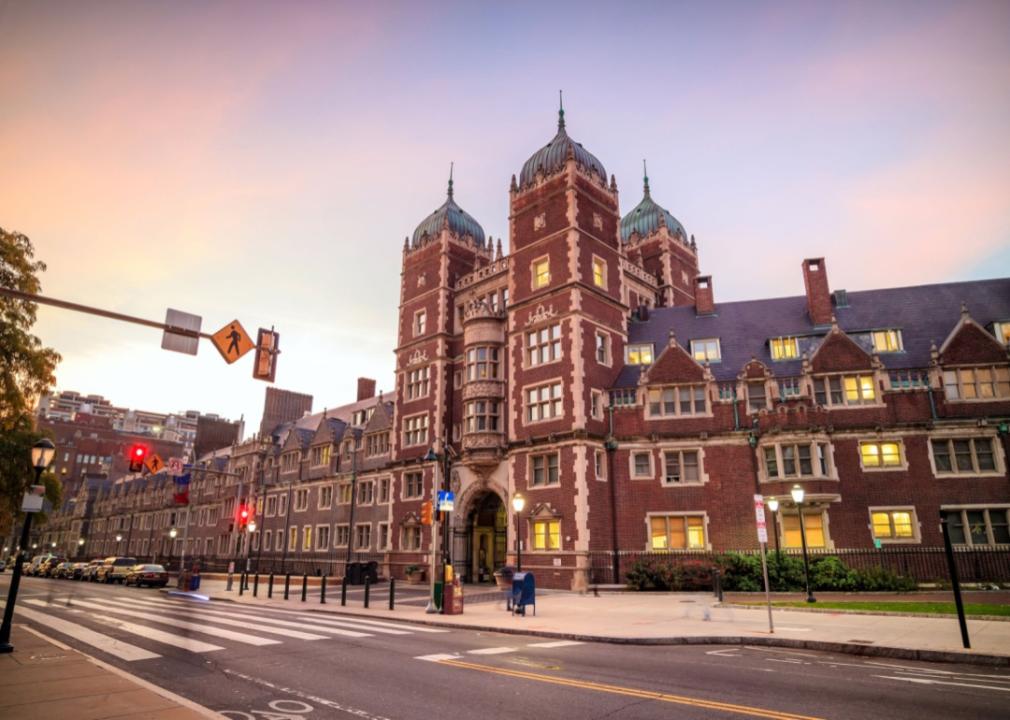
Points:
x=244 y=515
x=426 y=512
x=138 y=453
x=265 y=364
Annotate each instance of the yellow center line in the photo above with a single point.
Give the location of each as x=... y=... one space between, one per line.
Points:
x=632 y=692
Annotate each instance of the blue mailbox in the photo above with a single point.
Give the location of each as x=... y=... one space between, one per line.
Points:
x=524 y=592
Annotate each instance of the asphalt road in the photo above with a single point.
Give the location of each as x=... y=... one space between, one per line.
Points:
x=305 y=665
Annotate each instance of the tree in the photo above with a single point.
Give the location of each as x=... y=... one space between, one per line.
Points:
x=27 y=370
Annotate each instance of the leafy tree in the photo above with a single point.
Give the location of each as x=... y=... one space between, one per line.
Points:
x=27 y=370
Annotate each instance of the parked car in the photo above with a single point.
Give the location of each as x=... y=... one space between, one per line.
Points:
x=32 y=567
x=62 y=570
x=153 y=575
x=3 y=564
x=90 y=573
x=114 y=569
x=48 y=567
x=77 y=571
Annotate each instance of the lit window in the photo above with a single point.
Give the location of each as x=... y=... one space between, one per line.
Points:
x=893 y=524
x=541 y=273
x=844 y=390
x=344 y=494
x=887 y=341
x=677 y=532
x=639 y=354
x=880 y=454
x=978 y=526
x=784 y=348
x=543 y=345
x=706 y=350
x=1002 y=331
x=681 y=467
x=963 y=456
x=977 y=383
x=546 y=534
x=543 y=403
x=599 y=273
x=677 y=401
x=813 y=524
x=545 y=469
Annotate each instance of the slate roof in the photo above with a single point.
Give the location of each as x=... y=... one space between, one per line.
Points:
x=459 y=221
x=648 y=216
x=552 y=157
x=925 y=314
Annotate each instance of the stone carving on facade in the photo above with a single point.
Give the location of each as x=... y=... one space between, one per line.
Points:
x=540 y=221
x=418 y=356
x=541 y=314
x=597 y=221
x=483 y=389
x=421 y=280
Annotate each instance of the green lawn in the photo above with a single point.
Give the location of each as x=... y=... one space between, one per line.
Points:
x=936 y=608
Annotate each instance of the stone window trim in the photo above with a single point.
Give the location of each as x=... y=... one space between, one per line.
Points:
x=538 y=350
x=810 y=507
x=301 y=503
x=548 y=470
x=320 y=456
x=415 y=430
x=999 y=461
x=417 y=383
x=363 y=536
x=341 y=535
x=706 y=350
x=781 y=441
x=600 y=464
x=420 y=323
x=666 y=403
x=639 y=354
x=882 y=454
x=677 y=514
x=680 y=449
x=344 y=492
x=603 y=348
x=325 y=499
x=599 y=266
x=366 y=493
x=383 y=493
x=916 y=525
x=551 y=526
x=413 y=479
x=540 y=272
x=550 y=402
x=633 y=456
x=958 y=379
x=597 y=405
x=321 y=546
x=989 y=511
x=759 y=396
x=835 y=390
x=271 y=506
x=382 y=542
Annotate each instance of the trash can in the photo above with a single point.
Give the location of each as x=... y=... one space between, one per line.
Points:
x=452 y=598
x=523 y=593
x=437 y=598
x=194 y=581
x=353 y=574
x=371 y=570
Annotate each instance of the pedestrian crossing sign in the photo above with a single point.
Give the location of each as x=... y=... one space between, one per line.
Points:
x=232 y=341
x=154 y=464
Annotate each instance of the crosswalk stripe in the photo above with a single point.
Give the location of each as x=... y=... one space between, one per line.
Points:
x=439 y=657
x=182 y=625
x=492 y=651
x=204 y=611
x=283 y=632
x=368 y=623
x=555 y=644
x=105 y=643
x=144 y=631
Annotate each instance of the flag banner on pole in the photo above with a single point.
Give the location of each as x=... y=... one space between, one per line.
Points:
x=181 y=496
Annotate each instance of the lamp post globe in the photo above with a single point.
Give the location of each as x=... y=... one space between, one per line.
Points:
x=798 y=494
x=773 y=505
x=251 y=527
x=119 y=538
x=172 y=533
x=42 y=454
x=518 y=503
x=773 y=508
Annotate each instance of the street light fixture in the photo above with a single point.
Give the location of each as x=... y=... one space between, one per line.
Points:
x=798 y=495
x=773 y=508
x=518 y=503
x=42 y=456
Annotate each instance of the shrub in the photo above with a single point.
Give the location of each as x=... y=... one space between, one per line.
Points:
x=654 y=575
x=741 y=572
x=880 y=579
x=829 y=573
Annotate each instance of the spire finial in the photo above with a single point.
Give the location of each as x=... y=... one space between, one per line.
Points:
x=645 y=177
x=450 y=179
x=561 y=111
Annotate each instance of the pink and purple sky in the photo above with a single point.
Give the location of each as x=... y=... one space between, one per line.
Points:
x=265 y=160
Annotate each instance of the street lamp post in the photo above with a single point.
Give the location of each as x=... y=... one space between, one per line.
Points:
x=80 y=546
x=518 y=503
x=798 y=494
x=773 y=508
x=172 y=534
x=42 y=455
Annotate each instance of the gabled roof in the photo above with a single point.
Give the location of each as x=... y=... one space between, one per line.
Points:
x=382 y=418
x=330 y=430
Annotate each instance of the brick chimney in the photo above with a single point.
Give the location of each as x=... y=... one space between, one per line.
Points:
x=815 y=280
x=366 y=388
x=704 y=303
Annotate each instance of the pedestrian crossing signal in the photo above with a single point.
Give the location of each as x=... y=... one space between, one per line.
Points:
x=138 y=453
x=426 y=512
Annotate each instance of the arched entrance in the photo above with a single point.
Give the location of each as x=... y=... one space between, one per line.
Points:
x=484 y=538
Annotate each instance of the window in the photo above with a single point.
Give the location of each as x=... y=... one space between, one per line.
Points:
x=420 y=322
x=415 y=430
x=366 y=493
x=482 y=363
x=325 y=496
x=271 y=506
x=880 y=454
x=293 y=538
x=813 y=525
x=978 y=526
x=909 y=379
x=641 y=465
x=677 y=532
x=623 y=397
x=383 y=537
x=706 y=350
x=543 y=345
x=893 y=525
x=282 y=505
x=681 y=467
x=413 y=485
x=411 y=538
x=307 y=537
x=1002 y=331
x=790 y=387
x=279 y=538
x=341 y=535
x=784 y=348
x=602 y=348
x=789 y=460
x=640 y=354
x=541 y=273
x=844 y=390
x=757 y=397
x=963 y=456
x=543 y=402
x=363 y=537
x=544 y=469
x=600 y=465
x=417 y=383
x=677 y=401
x=384 y=490
x=599 y=273
x=481 y=416
x=321 y=455
x=267 y=540
x=886 y=341
x=289 y=461
x=596 y=404
x=343 y=493
x=377 y=444
x=322 y=537
x=301 y=499
x=546 y=534
x=978 y=383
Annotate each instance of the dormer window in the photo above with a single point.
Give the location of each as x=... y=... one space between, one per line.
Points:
x=1002 y=331
x=640 y=354
x=706 y=350
x=784 y=348
x=887 y=341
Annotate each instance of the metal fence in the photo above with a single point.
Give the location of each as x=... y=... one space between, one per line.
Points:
x=923 y=564
x=334 y=567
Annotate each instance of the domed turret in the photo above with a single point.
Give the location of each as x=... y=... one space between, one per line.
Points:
x=552 y=156
x=449 y=215
x=648 y=216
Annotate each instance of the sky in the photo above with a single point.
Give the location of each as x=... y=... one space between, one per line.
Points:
x=264 y=161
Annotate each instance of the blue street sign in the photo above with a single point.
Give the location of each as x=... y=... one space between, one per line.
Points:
x=446 y=500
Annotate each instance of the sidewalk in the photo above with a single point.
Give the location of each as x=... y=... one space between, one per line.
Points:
x=44 y=679
x=687 y=618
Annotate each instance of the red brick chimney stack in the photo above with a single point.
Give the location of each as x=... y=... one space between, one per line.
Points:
x=366 y=388
x=815 y=280
x=704 y=302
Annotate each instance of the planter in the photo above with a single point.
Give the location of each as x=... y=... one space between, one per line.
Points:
x=415 y=578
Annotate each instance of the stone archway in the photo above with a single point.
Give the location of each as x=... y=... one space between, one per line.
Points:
x=479 y=536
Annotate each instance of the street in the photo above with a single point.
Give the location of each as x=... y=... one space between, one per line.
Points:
x=254 y=662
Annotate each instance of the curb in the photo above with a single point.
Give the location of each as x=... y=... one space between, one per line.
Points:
x=878 y=613
x=900 y=653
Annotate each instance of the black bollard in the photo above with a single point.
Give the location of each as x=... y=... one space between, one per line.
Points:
x=322 y=591
x=270 y=586
x=241 y=584
x=368 y=584
x=343 y=591
x=287 y=585
x=392 y=592
x=256 y=585
x=305 y=585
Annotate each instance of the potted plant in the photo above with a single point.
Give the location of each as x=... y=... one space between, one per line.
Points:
x=415 y=574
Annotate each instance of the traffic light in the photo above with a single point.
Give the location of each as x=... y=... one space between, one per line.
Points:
x=265 y=364
x=245 y=514
x=426 y=512
x=138 y=453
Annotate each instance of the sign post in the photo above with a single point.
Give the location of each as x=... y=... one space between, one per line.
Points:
x=762 y=529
